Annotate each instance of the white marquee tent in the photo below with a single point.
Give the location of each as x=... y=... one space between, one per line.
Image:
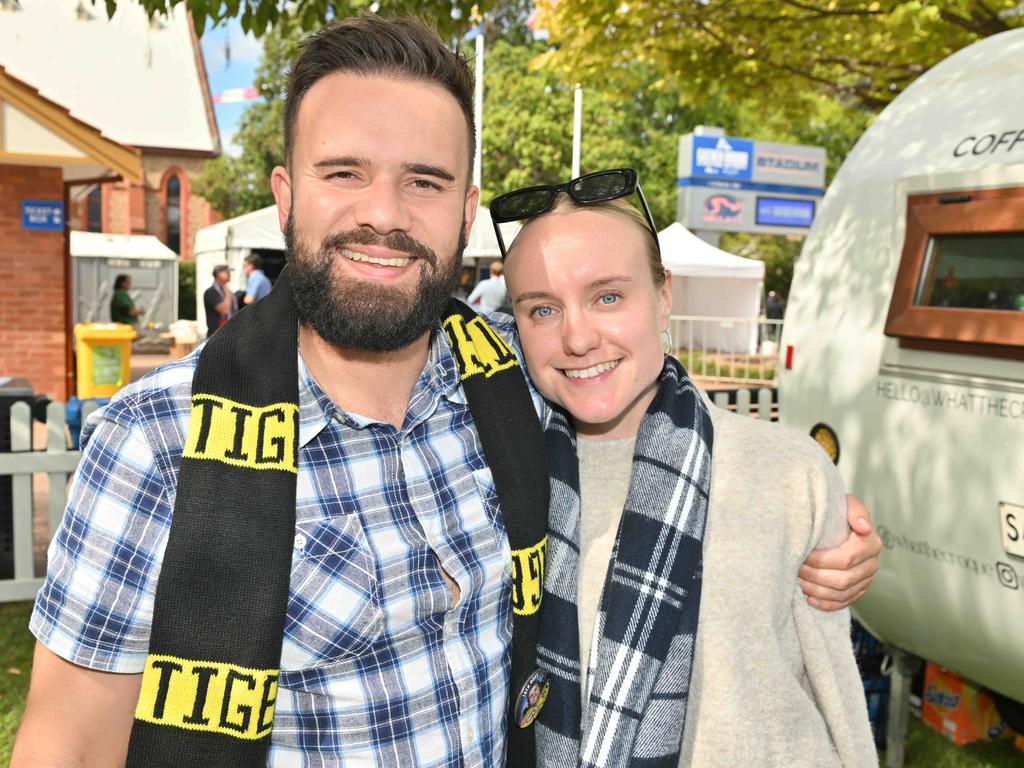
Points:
x=708 y=282
x=230 y=241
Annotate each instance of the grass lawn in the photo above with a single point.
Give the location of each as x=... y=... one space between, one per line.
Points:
x=925 y=748
x=15 y=664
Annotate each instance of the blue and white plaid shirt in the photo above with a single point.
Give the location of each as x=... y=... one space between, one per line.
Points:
x=379 y=668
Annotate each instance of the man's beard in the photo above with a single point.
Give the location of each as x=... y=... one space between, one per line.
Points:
x=362 y=314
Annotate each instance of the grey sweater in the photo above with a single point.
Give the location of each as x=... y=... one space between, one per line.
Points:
x=774 y=683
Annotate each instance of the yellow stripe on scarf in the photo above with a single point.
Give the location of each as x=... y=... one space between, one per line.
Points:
x=528 y=578
x=243 y=435
x=478 y=349
x=208 y=696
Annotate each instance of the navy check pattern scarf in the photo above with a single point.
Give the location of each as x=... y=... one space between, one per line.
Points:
x=645 y=634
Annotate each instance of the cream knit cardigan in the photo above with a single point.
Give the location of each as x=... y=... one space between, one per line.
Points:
x=774 y=683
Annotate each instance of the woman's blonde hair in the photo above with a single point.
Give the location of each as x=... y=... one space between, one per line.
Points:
x=621 y=207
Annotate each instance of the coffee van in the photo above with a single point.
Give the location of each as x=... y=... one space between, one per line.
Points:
x=904 y=356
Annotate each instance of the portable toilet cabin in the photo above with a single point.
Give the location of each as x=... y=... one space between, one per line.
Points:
x=904 y=337
x=98 y=258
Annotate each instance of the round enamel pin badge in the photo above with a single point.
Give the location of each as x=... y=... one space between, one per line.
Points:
x=532 y=697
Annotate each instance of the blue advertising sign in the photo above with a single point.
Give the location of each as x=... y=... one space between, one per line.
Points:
x=784 y=212
x=721 y=157
x=47 y=215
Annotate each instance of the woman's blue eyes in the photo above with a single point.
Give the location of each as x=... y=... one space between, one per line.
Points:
x=605 y=299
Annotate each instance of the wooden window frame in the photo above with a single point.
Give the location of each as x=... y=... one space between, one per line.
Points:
x=986 y=332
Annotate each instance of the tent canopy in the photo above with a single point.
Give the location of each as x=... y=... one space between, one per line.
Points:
x=686 y=255
x=720 y=291
x=256 y=230
x=260 y=230
x=482 y=242
x=102 y=245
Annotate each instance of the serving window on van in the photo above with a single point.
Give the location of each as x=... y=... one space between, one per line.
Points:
x=960 y=284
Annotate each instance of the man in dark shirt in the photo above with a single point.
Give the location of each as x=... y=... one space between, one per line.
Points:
x=218 y=299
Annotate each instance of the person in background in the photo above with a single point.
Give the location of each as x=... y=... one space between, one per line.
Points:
x=674 y=630
x=775 y=306
x=257 y=285
x=490 y=295
x=122 y=306
x=218 y=299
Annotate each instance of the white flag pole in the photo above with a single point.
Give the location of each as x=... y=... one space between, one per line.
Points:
x=479 y=107
x=577 y=129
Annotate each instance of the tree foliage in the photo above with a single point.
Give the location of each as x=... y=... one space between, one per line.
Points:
x=527 y=131
x=770 y=52
x=452 y=18
x=237 y=185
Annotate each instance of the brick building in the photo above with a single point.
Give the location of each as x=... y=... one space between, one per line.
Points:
x=108 y=136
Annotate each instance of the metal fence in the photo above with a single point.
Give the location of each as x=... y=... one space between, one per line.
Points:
x=740 y=350
x=57 y=461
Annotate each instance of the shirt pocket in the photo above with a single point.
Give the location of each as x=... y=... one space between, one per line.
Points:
x=489 y=497
x=335 y=610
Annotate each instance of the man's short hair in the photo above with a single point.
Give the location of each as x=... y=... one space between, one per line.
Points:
x=120 y=281
x=255 y=260
x=402 y=48
x=221 y=268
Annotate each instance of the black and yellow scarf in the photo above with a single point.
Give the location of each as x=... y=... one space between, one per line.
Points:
x=210 y=681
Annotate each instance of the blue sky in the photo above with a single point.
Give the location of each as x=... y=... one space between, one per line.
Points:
x=234 y=73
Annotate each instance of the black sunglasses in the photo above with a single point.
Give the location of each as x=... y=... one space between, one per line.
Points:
x=593 y=188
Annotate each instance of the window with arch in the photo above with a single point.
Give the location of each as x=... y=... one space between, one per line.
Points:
x=94 y=209
x=173 y=212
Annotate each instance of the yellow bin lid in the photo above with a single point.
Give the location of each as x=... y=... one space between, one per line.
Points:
x=104 y=332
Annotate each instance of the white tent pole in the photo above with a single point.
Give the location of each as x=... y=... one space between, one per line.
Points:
x=478 y=97
x=577 y=129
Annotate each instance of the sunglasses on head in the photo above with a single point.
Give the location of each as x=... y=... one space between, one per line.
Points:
x=591 y=189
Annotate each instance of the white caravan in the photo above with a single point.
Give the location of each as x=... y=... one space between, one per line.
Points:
x=905 y=343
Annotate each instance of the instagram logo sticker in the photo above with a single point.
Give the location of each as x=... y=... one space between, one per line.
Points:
x=1007 y=576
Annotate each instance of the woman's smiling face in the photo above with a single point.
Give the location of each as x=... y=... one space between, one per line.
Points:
x=590 y=316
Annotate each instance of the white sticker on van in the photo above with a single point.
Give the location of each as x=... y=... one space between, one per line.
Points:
x=1011 y=518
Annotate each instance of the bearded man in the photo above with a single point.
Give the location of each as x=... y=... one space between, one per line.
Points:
x=332 y=554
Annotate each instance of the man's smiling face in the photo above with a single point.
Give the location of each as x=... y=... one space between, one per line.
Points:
x=376 y=207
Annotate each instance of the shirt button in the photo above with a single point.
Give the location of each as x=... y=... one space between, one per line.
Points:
x=470 y=734
x=300 y=541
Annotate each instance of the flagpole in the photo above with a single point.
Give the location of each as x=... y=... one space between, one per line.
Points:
x=577 y=129
x=478 y=96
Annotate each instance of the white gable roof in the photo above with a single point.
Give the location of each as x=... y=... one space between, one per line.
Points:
x=685 y=254
x=137 y=82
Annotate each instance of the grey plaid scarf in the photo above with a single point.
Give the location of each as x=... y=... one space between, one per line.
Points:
x=647 y=623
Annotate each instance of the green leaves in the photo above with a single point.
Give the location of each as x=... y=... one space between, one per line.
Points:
x=860 y=53
x=452 y=17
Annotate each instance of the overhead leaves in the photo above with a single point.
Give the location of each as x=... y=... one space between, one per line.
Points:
x=771 y=52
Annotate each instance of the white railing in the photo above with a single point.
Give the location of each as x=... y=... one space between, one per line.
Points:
x=57 y=462
x=757 y=403
x=740 y=350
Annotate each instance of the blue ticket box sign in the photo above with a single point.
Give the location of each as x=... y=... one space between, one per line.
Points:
x=46 y=215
